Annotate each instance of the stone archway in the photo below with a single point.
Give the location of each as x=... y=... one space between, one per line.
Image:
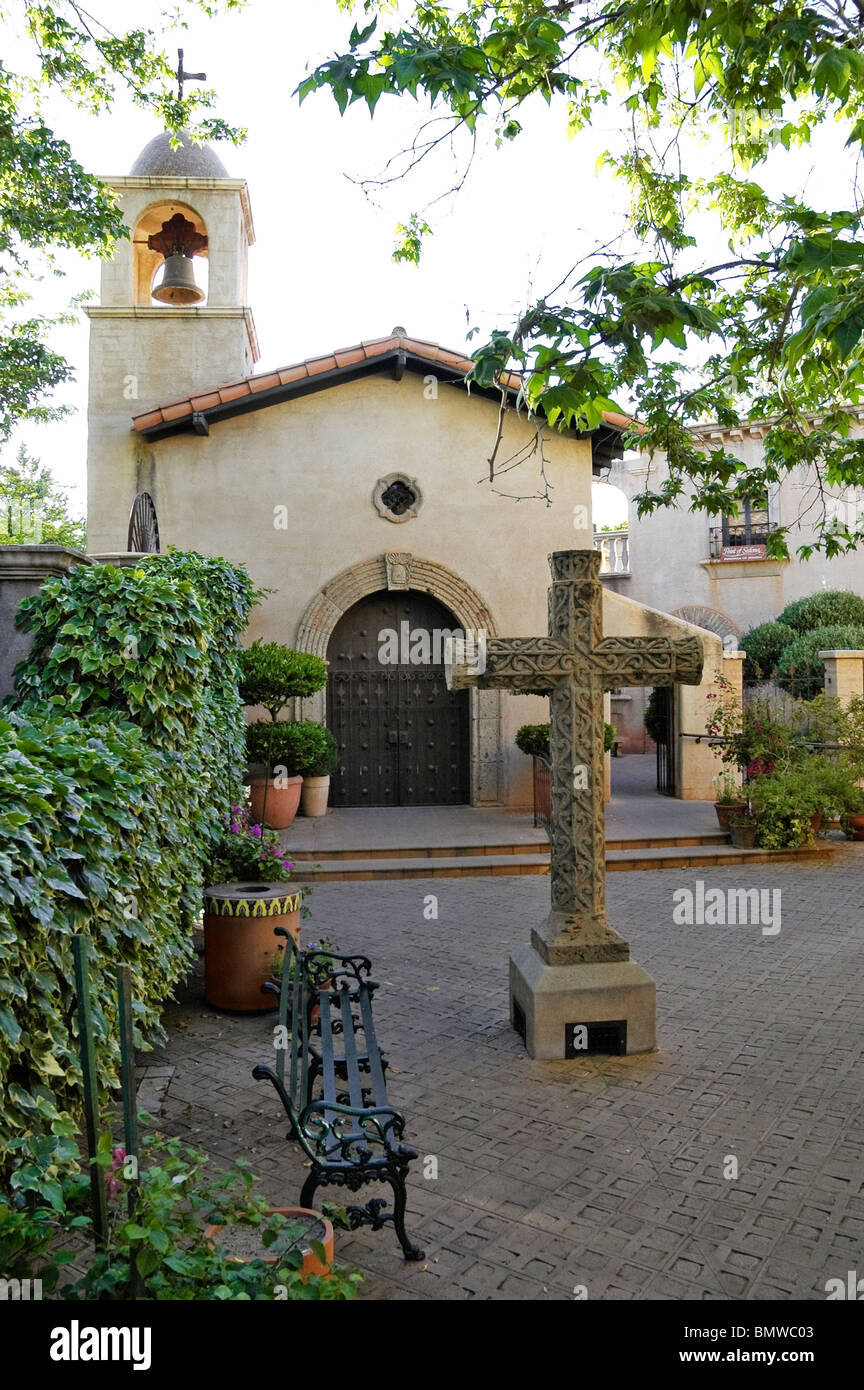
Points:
x=401 y=570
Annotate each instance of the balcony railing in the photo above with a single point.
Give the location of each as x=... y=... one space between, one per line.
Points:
x=614 y=547
x=739 y=537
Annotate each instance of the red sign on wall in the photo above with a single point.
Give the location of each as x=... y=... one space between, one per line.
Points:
x=743 y=552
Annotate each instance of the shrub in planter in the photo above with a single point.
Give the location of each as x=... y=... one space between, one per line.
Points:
x=534 y=738
x=323 y=757
x=242 y=907
x=271 y=675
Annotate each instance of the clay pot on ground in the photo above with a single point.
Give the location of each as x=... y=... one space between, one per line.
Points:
x=239 y=920
x=313 y=797
x=243 y=1243
x=743 y=835
x=274 y=800
x=727 y=812
x=854 y=826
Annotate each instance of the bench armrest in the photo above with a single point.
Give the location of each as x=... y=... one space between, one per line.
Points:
x=350 y=1134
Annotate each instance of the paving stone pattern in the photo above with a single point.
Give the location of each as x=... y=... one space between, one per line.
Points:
x=606 y=1173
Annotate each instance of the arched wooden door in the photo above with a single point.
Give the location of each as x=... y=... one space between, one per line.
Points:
x=402 y=735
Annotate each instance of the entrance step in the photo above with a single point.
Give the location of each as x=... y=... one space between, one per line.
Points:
x=522 y=859
x=500 y=849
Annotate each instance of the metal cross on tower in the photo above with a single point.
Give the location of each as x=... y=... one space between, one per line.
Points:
x=186 y=76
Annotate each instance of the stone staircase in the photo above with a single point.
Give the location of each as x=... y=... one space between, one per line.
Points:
x=509 y=858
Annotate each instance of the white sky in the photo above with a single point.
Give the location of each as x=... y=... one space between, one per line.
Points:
x=321 y=274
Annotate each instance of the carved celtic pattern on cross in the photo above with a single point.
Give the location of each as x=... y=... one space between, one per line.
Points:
x=574 y=665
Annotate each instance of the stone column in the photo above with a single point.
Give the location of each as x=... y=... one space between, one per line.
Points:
x=844 y=674
x=733 y=672
x=23 y=570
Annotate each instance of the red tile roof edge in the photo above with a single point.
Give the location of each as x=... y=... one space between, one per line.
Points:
x=310 y=367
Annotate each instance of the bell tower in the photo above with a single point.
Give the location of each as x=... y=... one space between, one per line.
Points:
x=173 y=316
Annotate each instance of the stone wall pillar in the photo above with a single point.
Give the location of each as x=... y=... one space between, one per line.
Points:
x=733 y=673
x=23 y=570
x=844 y=674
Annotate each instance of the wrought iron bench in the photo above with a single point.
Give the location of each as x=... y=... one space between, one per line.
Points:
x=350 y=1132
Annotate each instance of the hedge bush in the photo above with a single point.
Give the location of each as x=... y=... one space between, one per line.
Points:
x=534 y=738
x=119 y=762
x=801 y=658
x=830 y=608
x=763 y=646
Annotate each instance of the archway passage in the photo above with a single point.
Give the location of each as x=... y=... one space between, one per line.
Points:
x=403 y=736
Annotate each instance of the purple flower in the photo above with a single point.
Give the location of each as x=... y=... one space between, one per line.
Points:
x=235 y=828
x=256 y=831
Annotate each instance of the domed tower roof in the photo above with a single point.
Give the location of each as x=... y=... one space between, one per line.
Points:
x=158 y=159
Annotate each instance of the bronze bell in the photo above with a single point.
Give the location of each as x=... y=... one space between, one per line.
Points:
x=177 y=285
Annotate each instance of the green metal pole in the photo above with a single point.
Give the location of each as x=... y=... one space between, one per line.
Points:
x=127 y=1075
x=98 y=1199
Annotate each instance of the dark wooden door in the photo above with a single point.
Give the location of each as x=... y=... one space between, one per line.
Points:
x=402 y=735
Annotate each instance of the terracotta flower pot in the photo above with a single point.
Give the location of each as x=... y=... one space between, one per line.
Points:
x=239 y=919
x=313 y=797
x=726 y=811
x=854 y=826
x=311 y=1263
x=743 y=836
x=274 y=800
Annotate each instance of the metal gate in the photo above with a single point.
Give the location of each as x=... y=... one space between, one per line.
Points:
x=402 y=735
x=664 y=737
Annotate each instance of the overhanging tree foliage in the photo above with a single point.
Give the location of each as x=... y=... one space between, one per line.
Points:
x=770 y=329
x=48 y=201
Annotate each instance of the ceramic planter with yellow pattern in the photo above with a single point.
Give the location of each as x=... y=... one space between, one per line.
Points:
x=239 y=920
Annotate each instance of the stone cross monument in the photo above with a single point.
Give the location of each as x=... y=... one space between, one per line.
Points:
x=577 y=971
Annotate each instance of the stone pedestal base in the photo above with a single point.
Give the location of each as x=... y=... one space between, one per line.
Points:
x=551 y=996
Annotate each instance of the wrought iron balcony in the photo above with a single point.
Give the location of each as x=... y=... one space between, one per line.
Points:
x=737 y=536
x=614 y=547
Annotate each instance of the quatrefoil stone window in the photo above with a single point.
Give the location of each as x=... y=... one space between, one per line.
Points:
x=397 y=497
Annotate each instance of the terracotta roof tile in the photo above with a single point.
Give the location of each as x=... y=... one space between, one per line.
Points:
x=346 y=357
x=176 y=412
x=234 y=392
x=317 y=366
x=289 y=374
x=266 y=382
x=146 y=422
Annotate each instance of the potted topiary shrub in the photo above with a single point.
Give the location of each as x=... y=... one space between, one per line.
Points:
x=271 y=675
x=248 y=898
x=322 y=757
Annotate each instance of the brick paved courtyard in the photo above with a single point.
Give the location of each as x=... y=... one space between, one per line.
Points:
x=604 y=1173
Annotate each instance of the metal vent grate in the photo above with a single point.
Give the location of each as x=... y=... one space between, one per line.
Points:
x=608 y=1038
x=519 y=1019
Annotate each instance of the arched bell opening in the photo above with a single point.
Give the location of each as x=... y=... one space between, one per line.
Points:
x=170 y=245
